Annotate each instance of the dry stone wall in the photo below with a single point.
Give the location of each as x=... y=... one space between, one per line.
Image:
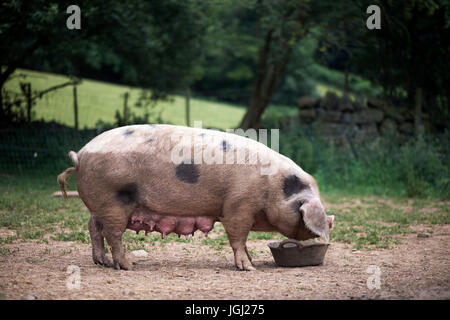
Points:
x=340 y=116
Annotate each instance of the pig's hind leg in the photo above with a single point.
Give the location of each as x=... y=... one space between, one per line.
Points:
x=98 y=243
x=114 y=222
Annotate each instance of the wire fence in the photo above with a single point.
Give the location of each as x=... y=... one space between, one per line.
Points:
x=34 y=150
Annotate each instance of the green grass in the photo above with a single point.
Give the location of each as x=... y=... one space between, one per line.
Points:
x=377 y=223
x=5 y=252
x=100 y=100
x=334 y=80
x=374 y=222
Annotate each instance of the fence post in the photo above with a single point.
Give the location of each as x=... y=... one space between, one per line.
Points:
x=26 y=90
x=75 y=106
x=29 y=102
x=188 y=111
x=125 y=108
x=352 y=147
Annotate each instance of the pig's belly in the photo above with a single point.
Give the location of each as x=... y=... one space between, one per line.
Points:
x=147 y=220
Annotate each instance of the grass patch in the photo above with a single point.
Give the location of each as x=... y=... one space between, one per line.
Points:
x=65 y=252
x=5 y=252
x=376 y=225
x=32 y=234
x=72 y=236
x=8 y=239
x=216 y=243
x=253 y=235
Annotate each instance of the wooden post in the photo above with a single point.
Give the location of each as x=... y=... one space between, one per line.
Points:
x=188 y=111
x=75 y=106
x=29 y=102
x=125 y=108
x=346 y=83
x=26 y=90
x=418 y=111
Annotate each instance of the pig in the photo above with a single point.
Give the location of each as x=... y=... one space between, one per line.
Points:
x=161 y=178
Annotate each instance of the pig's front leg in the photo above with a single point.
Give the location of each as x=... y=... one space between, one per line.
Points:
x=237 y=225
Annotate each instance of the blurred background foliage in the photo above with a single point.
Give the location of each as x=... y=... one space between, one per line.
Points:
x=244 y=63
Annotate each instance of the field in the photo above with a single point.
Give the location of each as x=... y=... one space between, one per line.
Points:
x=40 y=237
x=377 y=225
x=99 y=100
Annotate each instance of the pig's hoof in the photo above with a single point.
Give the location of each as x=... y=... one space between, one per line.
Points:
x=104 y=261
x=245 y=266
x=125 y=265
x=249 y=268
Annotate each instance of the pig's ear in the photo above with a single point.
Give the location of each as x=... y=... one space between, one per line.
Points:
x=314 y=218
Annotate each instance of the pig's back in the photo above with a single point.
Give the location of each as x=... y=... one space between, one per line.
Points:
x=139 y=158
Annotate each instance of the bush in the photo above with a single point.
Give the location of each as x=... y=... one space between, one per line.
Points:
x=415 y=167
x=422 y=166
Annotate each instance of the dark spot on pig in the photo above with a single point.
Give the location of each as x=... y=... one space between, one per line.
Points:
x=225 y=146
x=150 y=141
x=187 y=172
x=292 y=185
x=202 y=135
x=128 y=132
x=128 y=193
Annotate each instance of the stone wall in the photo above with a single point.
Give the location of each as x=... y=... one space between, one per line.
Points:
x=340 y=116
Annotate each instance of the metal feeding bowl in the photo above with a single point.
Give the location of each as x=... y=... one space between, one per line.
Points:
x=293 y=253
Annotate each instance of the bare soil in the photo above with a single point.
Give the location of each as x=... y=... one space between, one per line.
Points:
x=419 y=268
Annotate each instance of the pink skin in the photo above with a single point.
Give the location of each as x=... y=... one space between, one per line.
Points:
x=143 y=219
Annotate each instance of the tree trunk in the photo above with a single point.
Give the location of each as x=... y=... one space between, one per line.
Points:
x=2 y=113
x=418 y=110
x=346 y=83
x=125 y=108
x=266 y=81
x=29 y=102
x=251 y=117
x=188 y=111
x=75 y=106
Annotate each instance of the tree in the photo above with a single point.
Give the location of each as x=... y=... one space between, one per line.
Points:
x=27 y=27
x=339 y=36
x=152 y=44
x=280 y=25
x=408 y=57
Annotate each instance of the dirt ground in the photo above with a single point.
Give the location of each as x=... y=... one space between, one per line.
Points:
x=419 y=268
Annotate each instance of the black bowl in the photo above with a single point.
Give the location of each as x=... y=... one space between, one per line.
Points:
x=293 y=253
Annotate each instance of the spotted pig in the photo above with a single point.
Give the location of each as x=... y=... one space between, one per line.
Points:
x=174 y=179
